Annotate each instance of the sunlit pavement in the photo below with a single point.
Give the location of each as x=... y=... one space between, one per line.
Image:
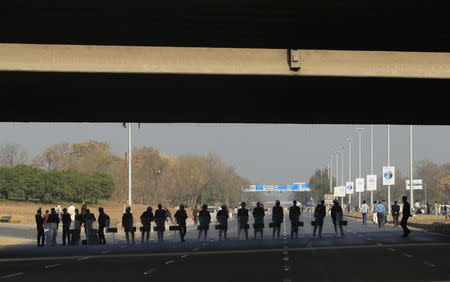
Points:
x=364 y=253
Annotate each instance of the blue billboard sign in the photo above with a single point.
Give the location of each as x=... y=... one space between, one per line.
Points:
x=301 y=187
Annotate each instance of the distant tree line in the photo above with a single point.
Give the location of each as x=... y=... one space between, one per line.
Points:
x=89 y=170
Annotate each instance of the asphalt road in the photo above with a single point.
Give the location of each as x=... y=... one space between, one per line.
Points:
x=364 y=253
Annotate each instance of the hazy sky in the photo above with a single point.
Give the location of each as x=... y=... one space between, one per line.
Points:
x=264 y=153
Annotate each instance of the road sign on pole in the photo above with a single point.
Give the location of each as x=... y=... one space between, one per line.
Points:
x=417 y=184
x=359 y=185
x=349 y=187
x=371 y=182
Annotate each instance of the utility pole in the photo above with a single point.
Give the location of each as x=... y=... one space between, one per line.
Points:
x=359 y=162
x=371 y=160
x=342 y=172
x=329 y=177
x=129 y=164
x=411 y=169
x=349 y=167
x=389 y=164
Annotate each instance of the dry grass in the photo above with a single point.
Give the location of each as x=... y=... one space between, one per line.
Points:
x=25 y=211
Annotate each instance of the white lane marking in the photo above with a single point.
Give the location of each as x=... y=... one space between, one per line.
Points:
x=169 y=261
x=196 y=249
x=286 y=258
x=407 y=255
x=83 y=258
x=391 y=249
x=150 y=271
x=52 y=265
x=12 y=275
x=107 y=251
x=379 y=244
x=427 y=263
x=183 y=256
x=285 y=252
x=286 y=268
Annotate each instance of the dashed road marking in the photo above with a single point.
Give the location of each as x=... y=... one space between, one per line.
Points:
x=407 y=255
x=12 y=275
x=196 y=249
x=427 y=263
x=52 y=265
x=286 y=258
x=286 y=267
x=107 y=251
x=379 y=244
x=183 y=256
x=83 y=258
x=169 y=262
x=391 y=249
x=150 y=271
x=285 y=252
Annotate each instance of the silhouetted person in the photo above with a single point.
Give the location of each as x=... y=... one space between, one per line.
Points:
x=89 y=219
x=160 y=220
x=66 y=221
x=258 y=216
x=103 y=222
x=395 y=210
x=204 y=218
x=319 y=214
x=294 y=217
x=146 y=221
x=127 y=223
x=222 y=218
x=180 y=217
x=406 y=214
x=40 y=228
x=76 y=232
x=337 y=216
x=52 y=225
x=168 y=215
x=277 y=218
x=428 y=208
x=242 y=219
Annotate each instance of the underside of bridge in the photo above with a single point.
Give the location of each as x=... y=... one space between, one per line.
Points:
x=365 y=95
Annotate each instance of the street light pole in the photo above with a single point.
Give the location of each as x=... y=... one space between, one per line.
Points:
x=389 y=163
x=329 y=177
x=349 y=167
x=342 y=165
x=411 y=168
x=129 y=164
x=359 y=163
x=371 y=159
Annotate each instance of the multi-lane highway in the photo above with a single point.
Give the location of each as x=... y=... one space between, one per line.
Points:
x=364 y=253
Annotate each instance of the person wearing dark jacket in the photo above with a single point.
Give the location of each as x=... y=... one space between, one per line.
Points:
x=160 y=220
x=52 y=225
x=146 y=220
x=222 y=218
x=204 y=218
x=337 y=216
x=76 y=232
x=180 y=217
x=277 y=218
x=66 y=221
x=103 y=222
x=406 y=214
x=395 y=209
x=40 y=228
x=319 y=214
x=258 y=216
x=294 y=217
x=242 y=219
x=127 y=223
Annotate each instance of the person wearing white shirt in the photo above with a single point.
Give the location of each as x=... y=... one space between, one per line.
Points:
x=71 y=211
x=364 y=211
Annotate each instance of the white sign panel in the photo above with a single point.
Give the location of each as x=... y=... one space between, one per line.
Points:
x=339 y=191
x=349 y=187
x=388 y=175
x=371 y=182
x=417 y=184
x=359 y=187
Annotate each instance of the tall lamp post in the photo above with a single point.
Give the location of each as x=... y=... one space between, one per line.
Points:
x=371 y=159
x=411 y=168
x=349 y=167
x=129 y=164
x=389 y=163
x=359 y=129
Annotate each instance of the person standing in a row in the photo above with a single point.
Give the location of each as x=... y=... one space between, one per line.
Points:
x=52 y=226
x=406 y=215
x=337 y=217
x=146 y=220
x=277 y=218
x=127 y=224
x=242 y=218
x=395 y=209
x=160 y=220
x=66 y=221
x=294 y=217
x=180 y=217
x=258 y=216
x=319 y=214
x=103 y=222
x=204 y=217
x=40 y=228
x=222 y=218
